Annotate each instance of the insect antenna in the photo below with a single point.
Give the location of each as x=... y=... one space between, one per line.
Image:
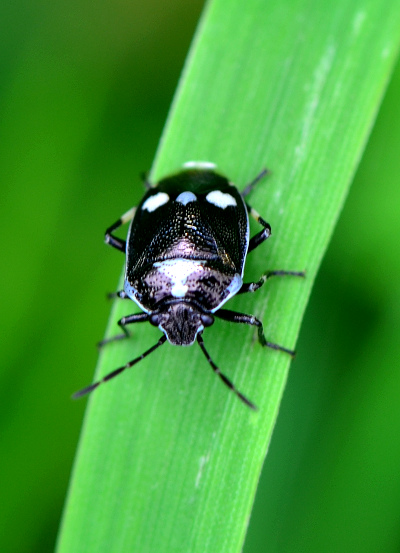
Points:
x=224 y=378
x=111 y=375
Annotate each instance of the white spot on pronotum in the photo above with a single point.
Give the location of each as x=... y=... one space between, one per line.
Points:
x=154 y=202
x=203 y=461
x=220 y=199
x=178 y=271
x=186 y=197
x=199 y=165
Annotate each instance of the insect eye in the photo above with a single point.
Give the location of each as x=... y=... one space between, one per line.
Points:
x=206 y=319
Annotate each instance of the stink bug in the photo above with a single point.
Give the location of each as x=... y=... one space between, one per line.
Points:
x=185 y=255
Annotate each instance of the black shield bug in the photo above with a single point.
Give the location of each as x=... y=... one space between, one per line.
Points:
x=185 y=255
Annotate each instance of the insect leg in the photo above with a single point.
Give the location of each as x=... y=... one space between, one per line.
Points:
x=120 y=294
x=266 y=232
x=253 y=286
x=255 y=181
x=224 y=378
x=261 y=236
x=115 y=242
x=233 y=317
x=136 y=318
x=111 y=375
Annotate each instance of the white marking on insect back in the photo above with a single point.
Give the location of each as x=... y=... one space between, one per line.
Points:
x=186 y=197
x=178 y=270
x=132 y=292
x=199 y=165
x=221 y=199
x=154 y=202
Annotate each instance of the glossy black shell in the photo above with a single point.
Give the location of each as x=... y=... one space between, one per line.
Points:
x=209 y=240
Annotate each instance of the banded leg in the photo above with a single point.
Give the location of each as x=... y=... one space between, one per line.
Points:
x=115 y=242
x=234 y=317
x=261 y=236
x=253 y=286
x=118 y=371
x=224 y=378
x=266 y=232
x=136 y=318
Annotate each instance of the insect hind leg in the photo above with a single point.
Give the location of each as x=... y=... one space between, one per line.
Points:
x=261 y=236
x=112 y=240
x=254 y=182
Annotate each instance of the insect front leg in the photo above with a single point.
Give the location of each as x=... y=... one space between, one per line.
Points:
x=253 y=286
x=136 y=318
x=234 y=317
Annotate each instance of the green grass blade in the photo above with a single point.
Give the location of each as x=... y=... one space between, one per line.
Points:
x=169 y=459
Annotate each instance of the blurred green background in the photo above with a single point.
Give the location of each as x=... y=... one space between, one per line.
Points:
x=84 y=93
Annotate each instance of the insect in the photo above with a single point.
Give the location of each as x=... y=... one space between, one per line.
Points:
x=185 y=255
